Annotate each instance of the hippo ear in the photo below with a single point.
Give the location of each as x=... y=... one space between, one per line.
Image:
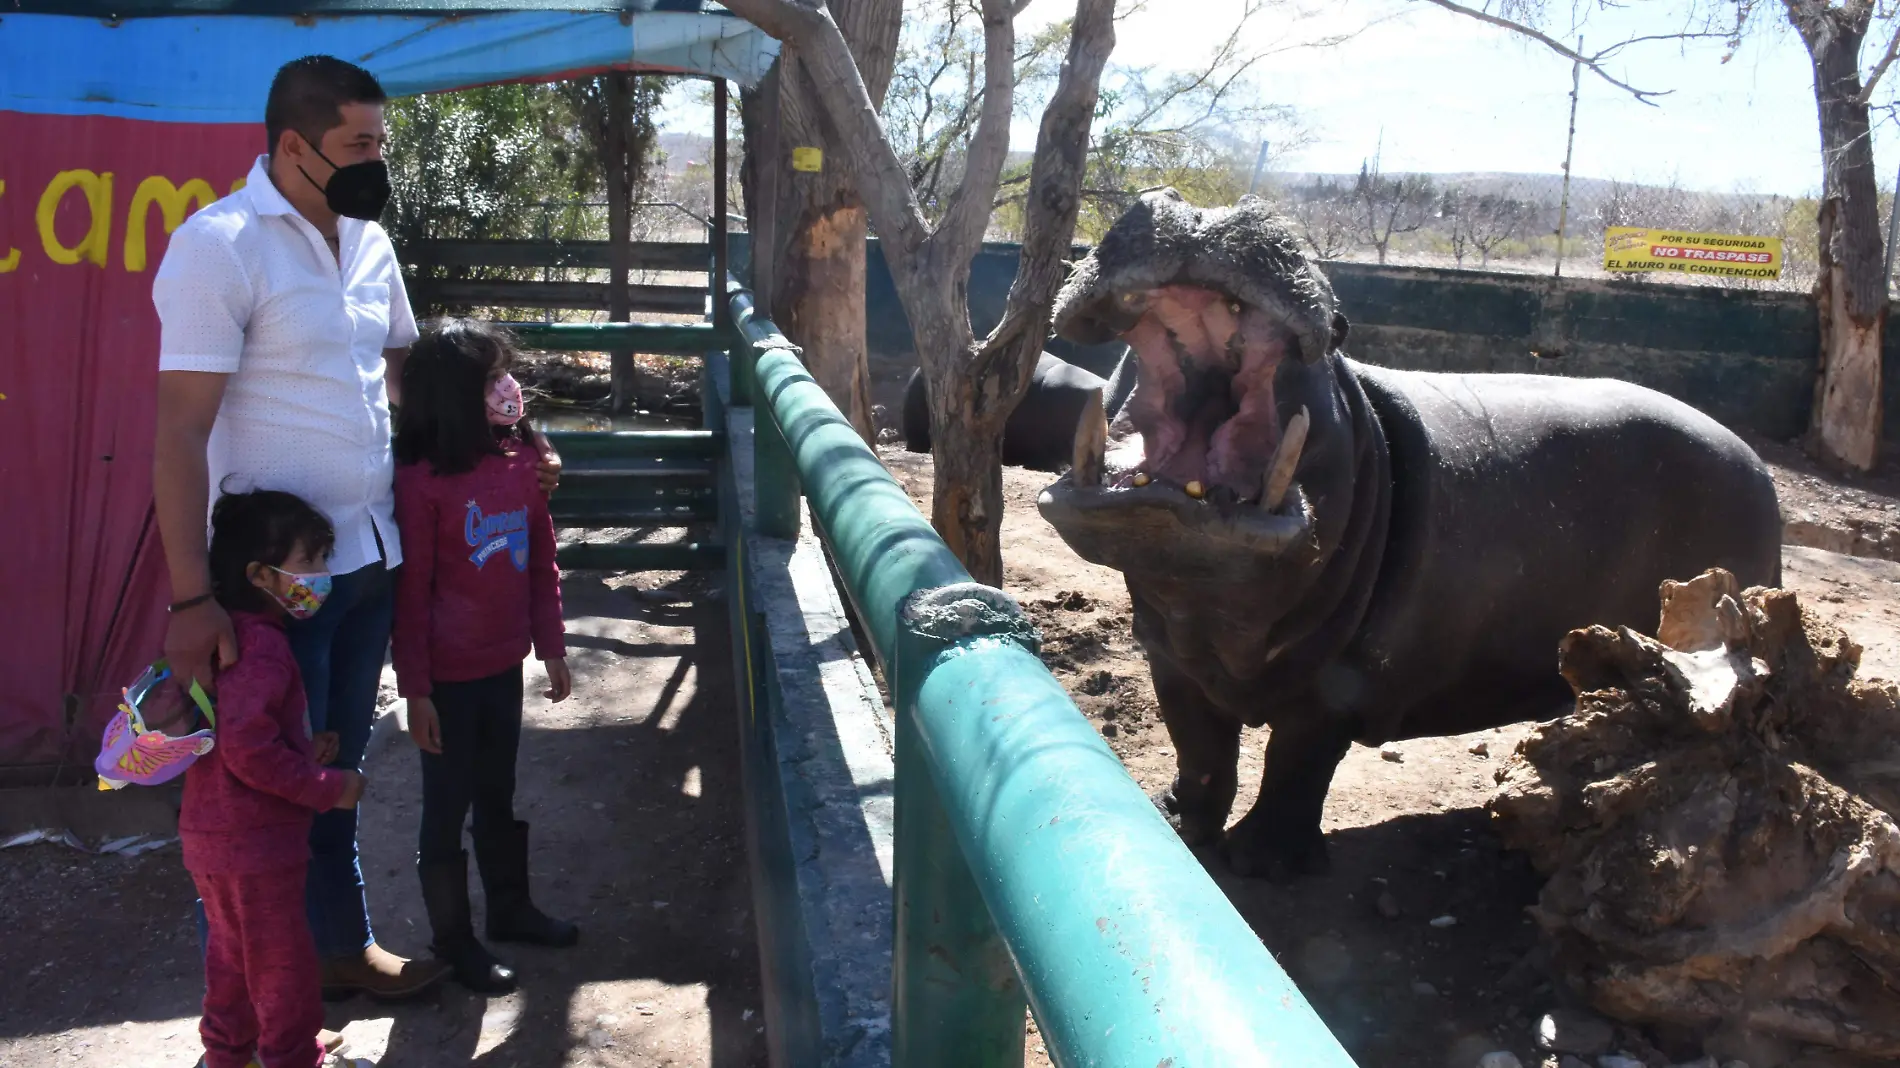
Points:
x=1340 y=329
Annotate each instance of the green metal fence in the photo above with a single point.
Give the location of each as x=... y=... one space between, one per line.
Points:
x=1030 y=868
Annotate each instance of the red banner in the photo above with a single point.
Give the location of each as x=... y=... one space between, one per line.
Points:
x=86 y=204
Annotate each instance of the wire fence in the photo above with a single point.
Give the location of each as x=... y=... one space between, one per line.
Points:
x=1511 y=223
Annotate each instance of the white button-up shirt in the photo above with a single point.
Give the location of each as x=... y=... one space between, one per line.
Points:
x=248 y=288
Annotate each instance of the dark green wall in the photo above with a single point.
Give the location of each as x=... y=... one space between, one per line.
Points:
x=1747 y=358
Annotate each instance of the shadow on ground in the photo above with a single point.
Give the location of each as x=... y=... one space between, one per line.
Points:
x=632 y=789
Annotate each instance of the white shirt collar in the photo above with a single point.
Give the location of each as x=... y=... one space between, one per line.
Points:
x=265 y=197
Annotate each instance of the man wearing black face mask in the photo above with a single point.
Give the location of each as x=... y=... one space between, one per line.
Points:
x=284 y=324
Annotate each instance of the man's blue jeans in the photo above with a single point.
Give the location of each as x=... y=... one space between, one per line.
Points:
x=340 y=651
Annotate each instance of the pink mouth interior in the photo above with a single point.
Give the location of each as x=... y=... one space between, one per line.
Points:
x=1205 y=406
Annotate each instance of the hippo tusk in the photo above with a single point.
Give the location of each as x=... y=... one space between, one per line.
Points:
x=1091 y=443
x=1286 y=457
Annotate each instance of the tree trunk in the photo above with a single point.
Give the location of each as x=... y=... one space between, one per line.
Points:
x=966 y=442
x=819 y=259
x=1850 y=290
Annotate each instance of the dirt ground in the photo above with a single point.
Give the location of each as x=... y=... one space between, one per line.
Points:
x=632 y=788
x=1411 y=842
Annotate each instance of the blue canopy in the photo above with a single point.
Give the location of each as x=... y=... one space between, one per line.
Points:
x=217 y=68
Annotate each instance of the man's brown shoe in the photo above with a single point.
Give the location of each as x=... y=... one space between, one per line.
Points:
x=380 y=974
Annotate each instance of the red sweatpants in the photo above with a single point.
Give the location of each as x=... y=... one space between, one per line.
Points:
x=261 y=972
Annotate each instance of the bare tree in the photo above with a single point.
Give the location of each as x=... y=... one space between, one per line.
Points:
x=936 y=91
x=1493 y=219
x=1850 y=290
x=1324 y=213
x=973 y=384
x=1387 y=207
x=1454 y=207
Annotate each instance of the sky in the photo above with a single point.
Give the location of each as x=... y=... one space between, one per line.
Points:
x=1438 y=92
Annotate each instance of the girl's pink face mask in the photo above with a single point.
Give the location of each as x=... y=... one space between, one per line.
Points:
x=504 y=401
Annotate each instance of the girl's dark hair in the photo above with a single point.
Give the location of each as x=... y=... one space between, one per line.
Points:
x=443 y=417
x=263 y=527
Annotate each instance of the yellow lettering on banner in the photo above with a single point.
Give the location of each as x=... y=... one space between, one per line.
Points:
x=10 y=261
x=237 y=185
x=98 y=190
x=171 y=200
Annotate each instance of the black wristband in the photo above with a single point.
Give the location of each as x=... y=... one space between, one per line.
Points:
x=191 y=602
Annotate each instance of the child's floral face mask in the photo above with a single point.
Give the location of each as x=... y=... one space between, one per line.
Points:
x=306 y=593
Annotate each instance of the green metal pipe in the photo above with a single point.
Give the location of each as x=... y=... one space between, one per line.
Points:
x=740 y=315
x=956 y=1001
x=883 y=546
x=1129 y=953
x=665 y=339
x=635 y=445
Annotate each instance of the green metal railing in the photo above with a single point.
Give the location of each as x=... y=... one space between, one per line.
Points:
x=1030 y=868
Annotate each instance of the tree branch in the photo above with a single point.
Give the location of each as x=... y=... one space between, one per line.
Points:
x=1880 y=68
x=1592 y=62
x=1007 y=358
x=967 y=216
x=879 y=175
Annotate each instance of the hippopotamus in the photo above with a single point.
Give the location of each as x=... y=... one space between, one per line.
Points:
x=1038 y=433
x=1349 y=553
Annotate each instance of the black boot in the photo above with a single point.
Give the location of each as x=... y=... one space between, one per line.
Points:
x=445 y=894
x=512 y=917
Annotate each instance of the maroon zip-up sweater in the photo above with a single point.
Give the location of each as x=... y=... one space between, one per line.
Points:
x=248 y=803
x=478 y=585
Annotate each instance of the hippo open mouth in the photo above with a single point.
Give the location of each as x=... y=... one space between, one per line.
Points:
x=1233 y=332
x=1201 y=447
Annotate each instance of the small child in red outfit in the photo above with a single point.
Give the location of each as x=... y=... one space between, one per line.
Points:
x=245 y=820
x=478 y=588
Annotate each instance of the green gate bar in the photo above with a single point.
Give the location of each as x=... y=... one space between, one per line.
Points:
x=1020 y=837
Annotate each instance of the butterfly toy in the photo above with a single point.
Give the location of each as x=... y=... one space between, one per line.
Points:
x=131 y=752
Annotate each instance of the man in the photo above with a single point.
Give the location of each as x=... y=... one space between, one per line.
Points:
x=284 y=323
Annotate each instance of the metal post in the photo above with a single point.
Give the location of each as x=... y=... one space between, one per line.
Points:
x=955 y=998
x=721 y=314
x=1893 y=229
x=1563 y=209
x=619 y=231
x=1259 y=164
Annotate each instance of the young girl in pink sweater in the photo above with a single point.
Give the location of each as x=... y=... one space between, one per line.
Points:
x=477 y=590
x=245 y=819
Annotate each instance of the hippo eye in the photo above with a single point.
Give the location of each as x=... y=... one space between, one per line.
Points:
x=1129 y=298
x=1233 y=306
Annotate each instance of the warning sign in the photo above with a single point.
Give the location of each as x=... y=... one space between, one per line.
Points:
x=1636 y=248
x=806 y=158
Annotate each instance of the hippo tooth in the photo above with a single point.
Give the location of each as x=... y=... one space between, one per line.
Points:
x=1286 y=457
x=1195 y=489
x=1141 y=478
x=1091 y=442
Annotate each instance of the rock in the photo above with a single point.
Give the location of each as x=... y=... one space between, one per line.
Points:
x=1565 y=1031
x=1388 y=905
x=1482 y=749
x=1391 y=755
x=1567 y=1061
x=1424 y=989
x=1617 y=1060
x=599 y=1039
x=1500 y=1059
x=1716 y=820
x=1445 y=921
